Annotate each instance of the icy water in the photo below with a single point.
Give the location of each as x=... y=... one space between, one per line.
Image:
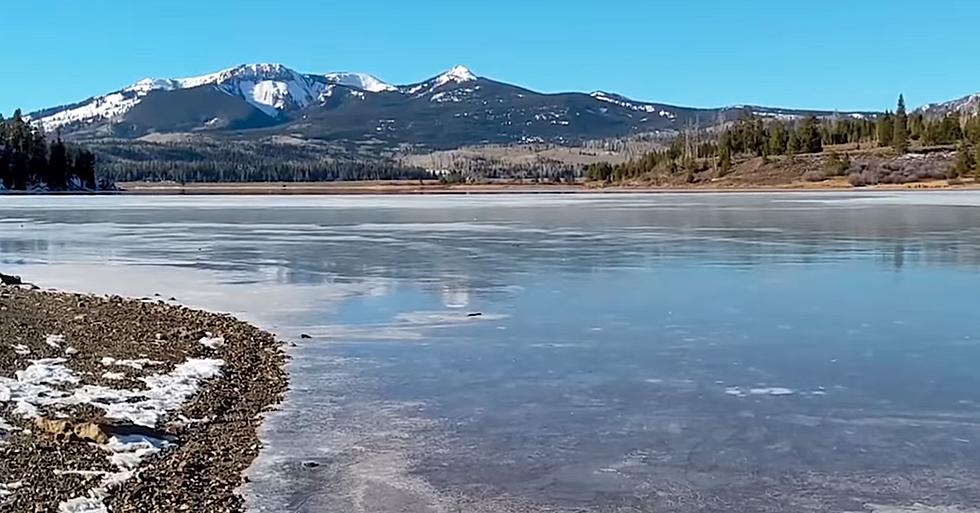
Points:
x=706 y=352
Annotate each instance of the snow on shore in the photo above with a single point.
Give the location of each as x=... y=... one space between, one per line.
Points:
x=48 y=383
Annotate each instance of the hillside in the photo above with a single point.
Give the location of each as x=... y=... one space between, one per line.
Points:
x=455 y=108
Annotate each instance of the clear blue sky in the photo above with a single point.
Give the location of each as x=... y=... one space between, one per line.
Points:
x=856 y=54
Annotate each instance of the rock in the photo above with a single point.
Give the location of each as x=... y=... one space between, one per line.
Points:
x=474 y=314
x=304 y=335
x=63 y=429
x=91 y=432
x=7 y=279
x=58 y=428
x=310 y=464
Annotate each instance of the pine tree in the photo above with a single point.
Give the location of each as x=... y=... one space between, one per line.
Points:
x=725 y=154
x=964 y=162
x=976 y=162
x=917 y=126
x=57 y=166
x=900 y=132
x=885 y=129
x=810 y=137
x=777 y=140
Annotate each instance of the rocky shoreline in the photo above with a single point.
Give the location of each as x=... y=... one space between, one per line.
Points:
x=121 y=405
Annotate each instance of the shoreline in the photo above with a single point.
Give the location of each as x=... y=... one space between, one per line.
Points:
x=412 y=188
x=129 y=405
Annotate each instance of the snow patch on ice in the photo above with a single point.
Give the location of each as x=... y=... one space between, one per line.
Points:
x=771 y=391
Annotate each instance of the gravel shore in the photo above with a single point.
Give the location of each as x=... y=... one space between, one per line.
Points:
x=128 y=405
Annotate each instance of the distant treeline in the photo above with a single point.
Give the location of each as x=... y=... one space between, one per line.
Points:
x=260 y=171
x=752 y=136
x=28 y=160
x=206 y=160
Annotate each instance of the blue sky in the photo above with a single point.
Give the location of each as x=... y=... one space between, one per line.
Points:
x=793 y=53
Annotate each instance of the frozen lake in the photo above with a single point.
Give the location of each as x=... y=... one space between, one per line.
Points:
x=669 y=352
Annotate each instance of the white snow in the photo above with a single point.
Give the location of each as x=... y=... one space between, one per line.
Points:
x=21 y=349
x=130 y=450
x=127 y=453
x=212 y=342
x=54 y=341
x=639 y=107
x=7 y=489
x=359 y=80
x=457 y=74
x=49 y=383
x=164 y=393
x=137 y=364
x=83 y=505
x=114 y=375
x=772 y=391
x=269 y=87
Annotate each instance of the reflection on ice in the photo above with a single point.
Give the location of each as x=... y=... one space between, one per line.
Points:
x=633 y=353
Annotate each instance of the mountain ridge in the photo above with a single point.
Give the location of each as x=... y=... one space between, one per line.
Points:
x=451 y=109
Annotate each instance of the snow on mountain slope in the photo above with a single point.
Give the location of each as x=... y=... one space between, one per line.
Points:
x=616 y=99
x=271 y=88
x=359 y=80
x=456 y=75
x=967 y=106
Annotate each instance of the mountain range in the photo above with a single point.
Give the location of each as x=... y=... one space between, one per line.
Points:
x=453 y=109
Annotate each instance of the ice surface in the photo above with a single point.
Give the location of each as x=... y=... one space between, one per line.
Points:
x=691 y=291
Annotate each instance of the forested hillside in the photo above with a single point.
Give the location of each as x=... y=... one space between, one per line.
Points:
x=695 y=156
x=29 y=161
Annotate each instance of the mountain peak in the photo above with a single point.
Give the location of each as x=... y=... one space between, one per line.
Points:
x=457 y=74
x=363 y=81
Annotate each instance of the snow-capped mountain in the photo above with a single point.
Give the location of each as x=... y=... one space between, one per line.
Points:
x=270 y=88
x=455 y=76
x=361 y=81
x=453 y=108
x=965 y=106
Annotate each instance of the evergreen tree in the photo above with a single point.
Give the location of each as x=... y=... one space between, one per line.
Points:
x=964 y=162
x=777 y=140
x=885 y=129
x=900 y=132
x=810 y=137
x=794 y=145
x=724 y=155
x=917 y=126
x=57 y=165
x=976 y=162
x=27 y=160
